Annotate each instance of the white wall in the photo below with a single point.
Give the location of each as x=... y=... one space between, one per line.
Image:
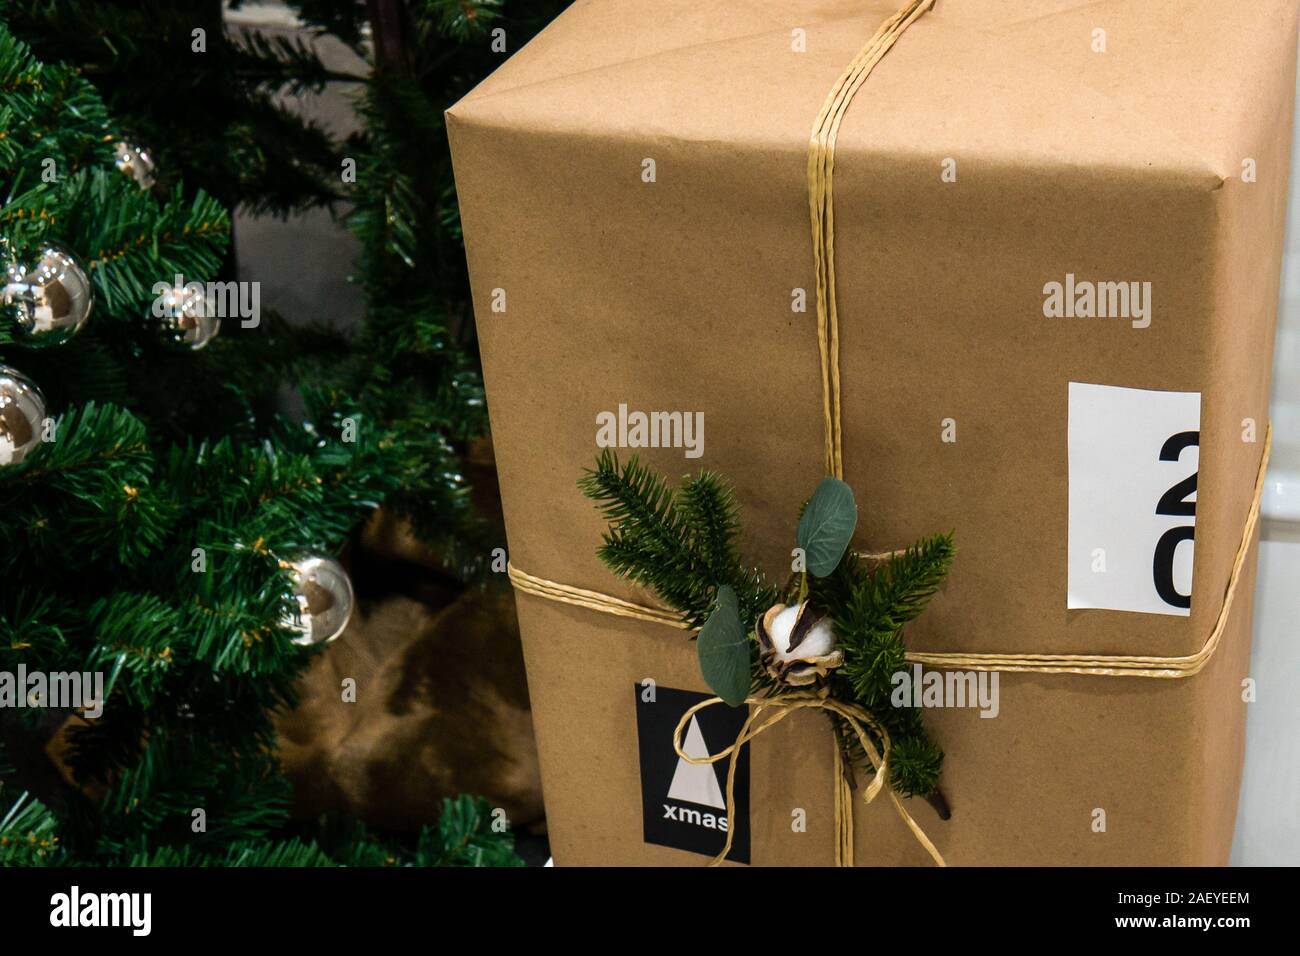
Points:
x=1268 y=819
x=303 y=263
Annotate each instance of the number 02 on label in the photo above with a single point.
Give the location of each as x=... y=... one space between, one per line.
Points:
x=1178 y=500
x=1132 y=530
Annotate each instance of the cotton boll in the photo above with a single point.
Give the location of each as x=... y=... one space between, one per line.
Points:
x=811 y=660
x=819 y=642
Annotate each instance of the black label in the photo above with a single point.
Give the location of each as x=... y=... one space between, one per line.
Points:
x=684 y=804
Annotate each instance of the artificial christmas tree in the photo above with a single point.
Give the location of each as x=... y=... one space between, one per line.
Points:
x=408 y=365
x=158 y=521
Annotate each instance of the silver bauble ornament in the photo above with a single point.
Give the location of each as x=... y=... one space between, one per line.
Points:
x=22 y=411
x=135 y=162
x=51 y=300
x=323 y=592
x=186 y=318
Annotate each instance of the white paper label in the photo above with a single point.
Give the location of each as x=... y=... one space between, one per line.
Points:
x=1133 y=460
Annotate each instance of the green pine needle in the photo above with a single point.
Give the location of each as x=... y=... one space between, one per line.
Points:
x=681 y=546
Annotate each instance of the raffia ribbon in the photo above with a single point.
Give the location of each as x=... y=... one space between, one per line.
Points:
x=821 y=210
x=821 y=167
x=782 y=707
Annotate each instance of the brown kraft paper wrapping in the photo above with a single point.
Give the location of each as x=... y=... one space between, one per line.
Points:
x=676 y=295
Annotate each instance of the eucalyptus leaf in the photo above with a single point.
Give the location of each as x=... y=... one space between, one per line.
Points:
x=723 y=648
x=827 y=526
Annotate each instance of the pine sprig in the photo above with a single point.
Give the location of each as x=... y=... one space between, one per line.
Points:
x=133 y=243
x=682 y=547
x=915 y=760
x=869 y=611
x=29 y=834
x=34 y=134
x=637 y=502
x=712 y=518
x=85 y=496
x=467 y=835
x=459 y=19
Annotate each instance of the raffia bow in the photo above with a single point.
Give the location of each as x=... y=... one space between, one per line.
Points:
x=779 y=709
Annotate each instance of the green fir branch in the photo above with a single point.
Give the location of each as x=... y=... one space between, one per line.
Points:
x=682 y=547
x=29 y=834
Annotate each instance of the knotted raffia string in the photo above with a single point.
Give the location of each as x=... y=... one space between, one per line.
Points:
x=781 y=708
x=593 y=600
x=821 y=166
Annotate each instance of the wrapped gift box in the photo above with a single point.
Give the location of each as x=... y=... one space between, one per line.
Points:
x=1058 y=240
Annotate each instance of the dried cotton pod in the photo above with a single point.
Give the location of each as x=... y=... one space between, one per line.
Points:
x=797 y=644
